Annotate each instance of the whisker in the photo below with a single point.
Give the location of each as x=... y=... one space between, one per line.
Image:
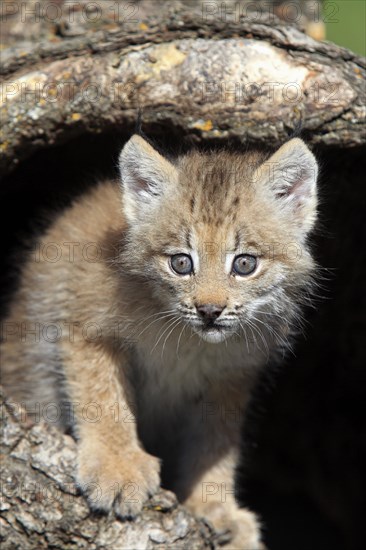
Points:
x=251 y=324
x=169 y=323
x=153 y=322
x=272 y=331
x=180 y=336
x=158 y=314
x=245 y=335
x=166 y=339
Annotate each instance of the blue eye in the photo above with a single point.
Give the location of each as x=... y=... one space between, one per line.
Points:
x=181 y=264
x=244 y=264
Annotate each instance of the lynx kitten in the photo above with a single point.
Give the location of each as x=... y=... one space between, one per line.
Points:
x=169 y=292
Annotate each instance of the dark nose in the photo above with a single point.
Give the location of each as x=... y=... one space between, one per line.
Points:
x=209 y=312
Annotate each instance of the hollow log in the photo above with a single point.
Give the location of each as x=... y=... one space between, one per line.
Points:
x=208 y=79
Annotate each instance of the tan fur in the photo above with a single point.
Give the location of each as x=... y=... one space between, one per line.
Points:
x=130 y=353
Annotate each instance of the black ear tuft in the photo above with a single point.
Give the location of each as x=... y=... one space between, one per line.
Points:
x=138 y=126
x=139 y=131
x=298 y=128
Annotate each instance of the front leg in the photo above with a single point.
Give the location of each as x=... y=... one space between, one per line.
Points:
x=113 y=469
x=207 y=481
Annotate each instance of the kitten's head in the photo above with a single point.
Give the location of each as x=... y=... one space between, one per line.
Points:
x=221 y=238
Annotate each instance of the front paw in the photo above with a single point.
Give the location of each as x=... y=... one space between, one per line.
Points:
x=123 y=481
x=245 y=530
x=236 y=528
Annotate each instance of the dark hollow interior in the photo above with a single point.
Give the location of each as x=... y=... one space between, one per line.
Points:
x=305 y=459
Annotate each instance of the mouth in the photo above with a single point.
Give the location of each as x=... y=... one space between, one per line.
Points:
x=212 y=331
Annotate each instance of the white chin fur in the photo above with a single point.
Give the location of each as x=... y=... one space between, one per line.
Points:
x=213 y=336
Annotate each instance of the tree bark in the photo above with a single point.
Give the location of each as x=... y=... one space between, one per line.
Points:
x=41 y=507
x=208 y=79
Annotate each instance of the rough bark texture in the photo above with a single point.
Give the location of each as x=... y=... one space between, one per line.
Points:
x=41 y=507
x=206 y=78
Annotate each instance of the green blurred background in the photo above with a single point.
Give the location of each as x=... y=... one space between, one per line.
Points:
x=345 y=23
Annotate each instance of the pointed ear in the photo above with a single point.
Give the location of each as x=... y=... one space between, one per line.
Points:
x=291 y=173
x=145 y=176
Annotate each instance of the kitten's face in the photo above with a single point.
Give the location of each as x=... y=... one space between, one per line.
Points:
x=222 y=249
